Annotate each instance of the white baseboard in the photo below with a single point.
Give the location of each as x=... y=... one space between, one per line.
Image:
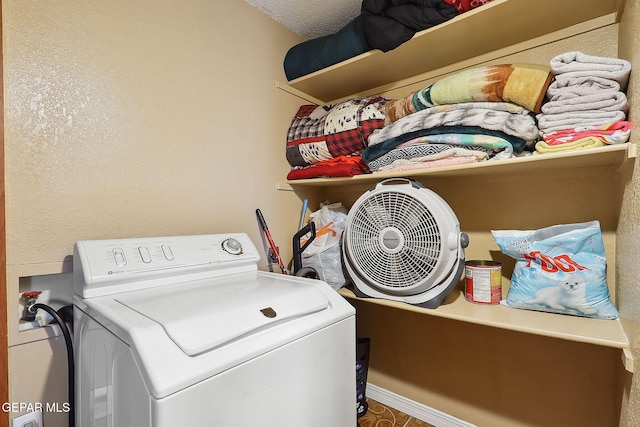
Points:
x=413 y=408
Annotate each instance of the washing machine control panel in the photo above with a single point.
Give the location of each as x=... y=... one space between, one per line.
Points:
x=102 y=265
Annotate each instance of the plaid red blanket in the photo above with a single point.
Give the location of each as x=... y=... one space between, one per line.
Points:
x=320 y=133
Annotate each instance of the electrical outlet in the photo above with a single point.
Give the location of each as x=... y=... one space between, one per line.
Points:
x=32 y=419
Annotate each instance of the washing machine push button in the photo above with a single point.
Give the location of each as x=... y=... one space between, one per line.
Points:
x=145 y=254
x=167 y=252
x=119 y=258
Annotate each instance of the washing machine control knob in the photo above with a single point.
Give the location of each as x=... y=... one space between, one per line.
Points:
x=232 y=246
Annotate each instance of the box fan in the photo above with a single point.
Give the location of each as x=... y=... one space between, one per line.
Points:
x=402 y=242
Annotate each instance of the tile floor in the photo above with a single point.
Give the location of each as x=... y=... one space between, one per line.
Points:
x=380 y=415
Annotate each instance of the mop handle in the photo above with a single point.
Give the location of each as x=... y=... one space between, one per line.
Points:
x=272 y=244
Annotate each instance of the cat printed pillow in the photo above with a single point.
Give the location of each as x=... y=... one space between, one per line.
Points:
x=559 y=269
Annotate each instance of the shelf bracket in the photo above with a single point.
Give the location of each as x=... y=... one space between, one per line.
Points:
x=632 y=153
x=295 y=92
x=627 y=359
x=283 y=187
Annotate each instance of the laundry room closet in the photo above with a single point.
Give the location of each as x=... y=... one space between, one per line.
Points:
x=487 y=365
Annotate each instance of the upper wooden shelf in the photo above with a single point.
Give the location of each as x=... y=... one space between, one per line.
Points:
x=494 y=26
x=612 y=156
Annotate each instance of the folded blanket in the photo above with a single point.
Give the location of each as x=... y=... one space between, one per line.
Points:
x=505 y=117
x=521 y=84
x=600 y=101
x=491 y=142
x=427 y=163
x=614 y=133
x=544 y=148
x=342 y=166
x=578 y=64
x=588 y=119
x=375 y=151
x=316 y=54
x=578 y=86
x=423 y=149
x=320 y=133
x=389 y=23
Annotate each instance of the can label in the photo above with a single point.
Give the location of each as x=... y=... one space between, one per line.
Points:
x=483 y=282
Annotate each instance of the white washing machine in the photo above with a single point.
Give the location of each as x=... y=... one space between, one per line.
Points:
x=186 y=331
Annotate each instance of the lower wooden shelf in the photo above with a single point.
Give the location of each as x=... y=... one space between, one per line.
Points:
x=608 y=333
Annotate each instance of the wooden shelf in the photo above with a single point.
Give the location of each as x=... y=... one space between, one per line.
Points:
x=608 y=333
x=612 y=156
x=494 y=26
x=497 y=29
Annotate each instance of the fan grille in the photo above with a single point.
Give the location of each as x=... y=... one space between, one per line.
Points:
x=394 y=240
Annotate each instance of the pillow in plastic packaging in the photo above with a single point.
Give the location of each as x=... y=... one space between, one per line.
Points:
x=559 y=269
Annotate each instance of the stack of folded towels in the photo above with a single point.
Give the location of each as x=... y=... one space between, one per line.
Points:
x=586 y=104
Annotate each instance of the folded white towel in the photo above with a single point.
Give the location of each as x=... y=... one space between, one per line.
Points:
x=588 y=119
x=601 y=101
x=579 y=64
x=585 y=85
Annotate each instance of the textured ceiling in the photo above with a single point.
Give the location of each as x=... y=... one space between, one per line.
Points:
x=310 y=18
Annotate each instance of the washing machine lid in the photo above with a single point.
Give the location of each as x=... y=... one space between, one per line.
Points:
x=205 y=314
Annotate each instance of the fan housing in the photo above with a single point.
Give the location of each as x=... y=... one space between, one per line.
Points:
x=403 y=242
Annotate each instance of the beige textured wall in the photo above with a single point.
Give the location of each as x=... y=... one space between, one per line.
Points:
x=143 y=118
x=628 y=268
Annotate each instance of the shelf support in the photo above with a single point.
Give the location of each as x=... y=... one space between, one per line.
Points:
x=627 y=359
x=295 y=92
x=283 y=187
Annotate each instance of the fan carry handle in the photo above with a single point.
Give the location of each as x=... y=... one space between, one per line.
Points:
x=390 y=181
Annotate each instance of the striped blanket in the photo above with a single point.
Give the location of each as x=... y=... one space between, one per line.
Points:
x=520 y=84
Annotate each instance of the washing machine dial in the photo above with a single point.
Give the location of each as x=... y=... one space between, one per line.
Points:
x=232 y=246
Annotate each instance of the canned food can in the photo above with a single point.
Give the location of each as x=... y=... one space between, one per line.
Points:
x=483 y=282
